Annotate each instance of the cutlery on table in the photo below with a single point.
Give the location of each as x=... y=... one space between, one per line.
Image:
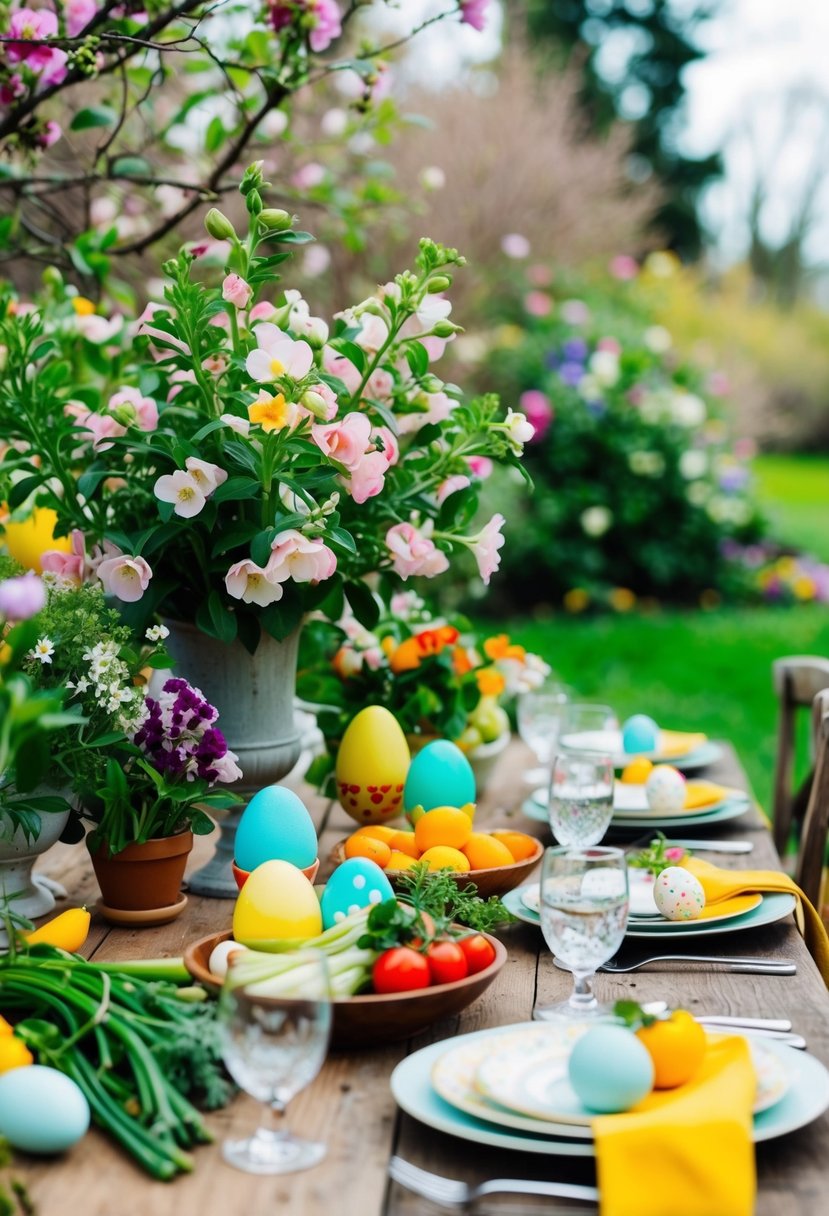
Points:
x=783 y=1025
x=451 y=1192
x=752 y=966
x=714 y=846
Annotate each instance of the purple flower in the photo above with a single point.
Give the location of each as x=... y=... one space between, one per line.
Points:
x=733 y=480
x=21 y=598
x=571 y=373
x=574 y=350
x=177 y=737
x=473 y=12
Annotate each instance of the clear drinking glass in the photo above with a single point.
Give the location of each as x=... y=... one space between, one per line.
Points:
x=584 y=911
x=539 y=714
x=588 y=727
x=273 y=1047
x=581 y=798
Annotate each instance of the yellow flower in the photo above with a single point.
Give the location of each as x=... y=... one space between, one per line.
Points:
x=576 y=600
x=490 y=682
x=804 y=587
x=272 y=413
x=507 y=337
x=500 y=647
x=5 y=653
x=83 y=307
x=786 y=567
x=622 y=599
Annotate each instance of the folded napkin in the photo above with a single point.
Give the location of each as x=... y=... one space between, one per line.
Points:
x=720 y=885
x=700 y=794
x=676 y=743
x=687 y=1151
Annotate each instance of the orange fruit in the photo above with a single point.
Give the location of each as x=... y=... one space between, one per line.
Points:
x=378 y=831
x=368 y=846
x=676 y=1046
x=404 y=842
x=485 y=852
x=444 y=857
x=445 y=825
x=400 y=861
x=520 y=845
x=638 y=771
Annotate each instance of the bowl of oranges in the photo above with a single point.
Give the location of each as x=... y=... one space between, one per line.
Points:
x=445 y=839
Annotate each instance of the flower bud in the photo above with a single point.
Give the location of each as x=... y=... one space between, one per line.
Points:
x=315 y=402
x=252 y=179
x=431 y=384
x=253 y=202
x=125 y=413
x=274 y=219
x=445 y=329
x=441 y=282
x=52 y=277
x=218 y=225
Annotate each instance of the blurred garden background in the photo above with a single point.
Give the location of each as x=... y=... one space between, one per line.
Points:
x=641 y=190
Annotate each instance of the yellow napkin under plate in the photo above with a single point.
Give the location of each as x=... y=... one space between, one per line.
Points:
x=720 y=885
x=687 y=1151
x=700 y=794
x=674 y=744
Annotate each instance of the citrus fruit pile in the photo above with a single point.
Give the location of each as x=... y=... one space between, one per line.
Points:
x=442 y=839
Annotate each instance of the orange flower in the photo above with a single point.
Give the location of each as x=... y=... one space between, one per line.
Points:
x=490 y=682
x=461 y=661
x=500 y=647
x=411 y=653
x=272 y=413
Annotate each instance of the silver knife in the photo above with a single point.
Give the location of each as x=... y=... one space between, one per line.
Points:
x=714 y=846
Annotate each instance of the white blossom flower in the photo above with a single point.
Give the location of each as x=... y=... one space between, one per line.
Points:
x=693 y=464
x=43 y=650
x=157 y=633
x=595 y=521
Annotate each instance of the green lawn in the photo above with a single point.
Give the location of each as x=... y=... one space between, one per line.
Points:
x=794 y=492
x=688 y=670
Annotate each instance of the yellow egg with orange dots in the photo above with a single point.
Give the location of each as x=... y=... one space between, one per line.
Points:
x=372 y=763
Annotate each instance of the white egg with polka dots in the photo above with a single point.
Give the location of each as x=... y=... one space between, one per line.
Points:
x=357 y=883
x=678 y=894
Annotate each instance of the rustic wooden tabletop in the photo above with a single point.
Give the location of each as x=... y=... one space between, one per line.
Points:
x=350 y=1106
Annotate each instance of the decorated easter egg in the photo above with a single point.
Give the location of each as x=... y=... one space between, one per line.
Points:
x=640 y=734
x=275 y=825
x=41 y=1110
x=607 y=1070
x=372 y=764
x=29 y=539
x=638 y=771
x=276 y=904
x=357 y=883
x=665 y=790
x=678 y=894
x=440 y=775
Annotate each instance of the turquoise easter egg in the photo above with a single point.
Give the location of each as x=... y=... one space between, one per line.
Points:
x=275 y=826
x=640 y=734
x=610 y=1069
x=41 y=1110
x=357 y=883
x=440 y=775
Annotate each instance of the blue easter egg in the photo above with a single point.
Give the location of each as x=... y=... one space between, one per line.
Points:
x=357 y=883
x=640 y=734
x=610 y=1069
x=275 y=826
x=41 y=1109
x=440 y=775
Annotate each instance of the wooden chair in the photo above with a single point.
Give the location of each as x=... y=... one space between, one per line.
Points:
x=797 y=681
x=812 y=852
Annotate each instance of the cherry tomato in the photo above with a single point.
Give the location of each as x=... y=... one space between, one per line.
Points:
x=400 y=969
x=447 y=962
x=478 y=952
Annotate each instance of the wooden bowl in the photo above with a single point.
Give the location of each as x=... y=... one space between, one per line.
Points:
x=372 y=1020
x=496 y=880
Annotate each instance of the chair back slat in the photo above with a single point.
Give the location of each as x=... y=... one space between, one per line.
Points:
x=797 y=681
x=812 y=851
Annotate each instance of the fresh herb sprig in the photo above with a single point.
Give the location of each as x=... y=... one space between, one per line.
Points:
x=437 y=893
x=658 y=856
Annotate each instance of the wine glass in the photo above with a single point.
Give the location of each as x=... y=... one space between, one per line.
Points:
x=588 y=727
x=584 y=910
x=539 y=715
x=273 y=1046
x=581 y=798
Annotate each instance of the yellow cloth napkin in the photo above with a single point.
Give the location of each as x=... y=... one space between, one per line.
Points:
x=720 y=885
x=686 y=1151
x=699 y=794
x=676 y=743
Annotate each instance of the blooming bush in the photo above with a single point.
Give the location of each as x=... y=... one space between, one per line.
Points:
x=433 y=673
x=232 y=460
x=638 y=483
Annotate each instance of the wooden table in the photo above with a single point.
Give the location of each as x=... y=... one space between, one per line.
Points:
x=350 y=1107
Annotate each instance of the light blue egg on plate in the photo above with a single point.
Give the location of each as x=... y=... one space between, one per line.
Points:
x=640 y=734
x=275 y=826
x=357 y=883
x=41 y=1110
x=439 y=775
x=610 y=1069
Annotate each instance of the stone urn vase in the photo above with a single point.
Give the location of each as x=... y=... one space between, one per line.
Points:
x=26 y=893
x=254 y=695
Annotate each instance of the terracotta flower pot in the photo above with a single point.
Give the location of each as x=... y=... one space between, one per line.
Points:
x=142 y=883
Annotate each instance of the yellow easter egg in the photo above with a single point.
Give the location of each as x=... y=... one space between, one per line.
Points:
x=638 y=771
x=276 y=904
x=372 y=764
x=29 y=539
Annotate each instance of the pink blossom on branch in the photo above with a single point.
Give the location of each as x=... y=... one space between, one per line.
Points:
x=321 y=17
x=413 y=552
x=473 y=12
x=236 y=291
x=125 y=577
x=485 y=547
x=300 y=558
x=31 y=27
x=78 y=14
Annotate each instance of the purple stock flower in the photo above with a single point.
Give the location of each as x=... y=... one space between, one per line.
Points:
x=571 y=373
x=177 y=737
x=574 y=350
x=21 y=598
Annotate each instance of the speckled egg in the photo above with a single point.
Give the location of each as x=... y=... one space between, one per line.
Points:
x=440 y=775
x=357 y=883
x=275 y=825
x=41 y=1110
x=276 y=904
x=640 y=734
x=610 y=1070
x=372 y=765
x=678 y=894
x=665 y=790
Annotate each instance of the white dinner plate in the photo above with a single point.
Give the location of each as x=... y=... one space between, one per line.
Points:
x=640 y=915
x=610 y=742
x=733 y=808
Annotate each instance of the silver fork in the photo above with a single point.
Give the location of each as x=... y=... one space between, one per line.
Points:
x=451 y=1192
x=755 y=966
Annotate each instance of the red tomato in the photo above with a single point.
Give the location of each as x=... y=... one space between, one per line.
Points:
x=400 y=969
x=478 y=952
x=447 y=962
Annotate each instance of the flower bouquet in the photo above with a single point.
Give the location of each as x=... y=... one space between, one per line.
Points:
x=438 y=678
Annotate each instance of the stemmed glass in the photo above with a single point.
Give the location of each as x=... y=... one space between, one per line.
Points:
x=584 y=911
x=539 y=714
x=585 y=727
x=581 y=798
x=273 y=1047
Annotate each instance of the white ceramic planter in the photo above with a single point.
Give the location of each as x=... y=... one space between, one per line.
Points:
x=484 y=758
x=29 y=895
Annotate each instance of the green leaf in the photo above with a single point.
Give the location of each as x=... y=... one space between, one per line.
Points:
x=131 y=166
x=236 y=488
x=21 y=490
x=417 y=358
x=215 y=619
x=352 y=351
x=363 y=603
x=282 y=618
x=93 y=116
x=215 y=135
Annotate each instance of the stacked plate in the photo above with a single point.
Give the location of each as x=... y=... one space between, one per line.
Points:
x=685 y=751
x=507 y=1087
x=631 y=810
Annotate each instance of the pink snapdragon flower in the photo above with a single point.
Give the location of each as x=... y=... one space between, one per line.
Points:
x=485 y=547
x=125 y=577
x=480 y=466
x=129 y=406
x=368 y=478
x=539 y=412
x=277 y=355
x=346 y=441
x=413 y=552
x=74 y=565
x=337 y=365
x=299 y=558
x=236 y=291
x=473 y=12
x=249 y=583
x=451 y=485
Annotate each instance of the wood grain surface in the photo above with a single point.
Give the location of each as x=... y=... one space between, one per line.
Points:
x=350 y=1106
